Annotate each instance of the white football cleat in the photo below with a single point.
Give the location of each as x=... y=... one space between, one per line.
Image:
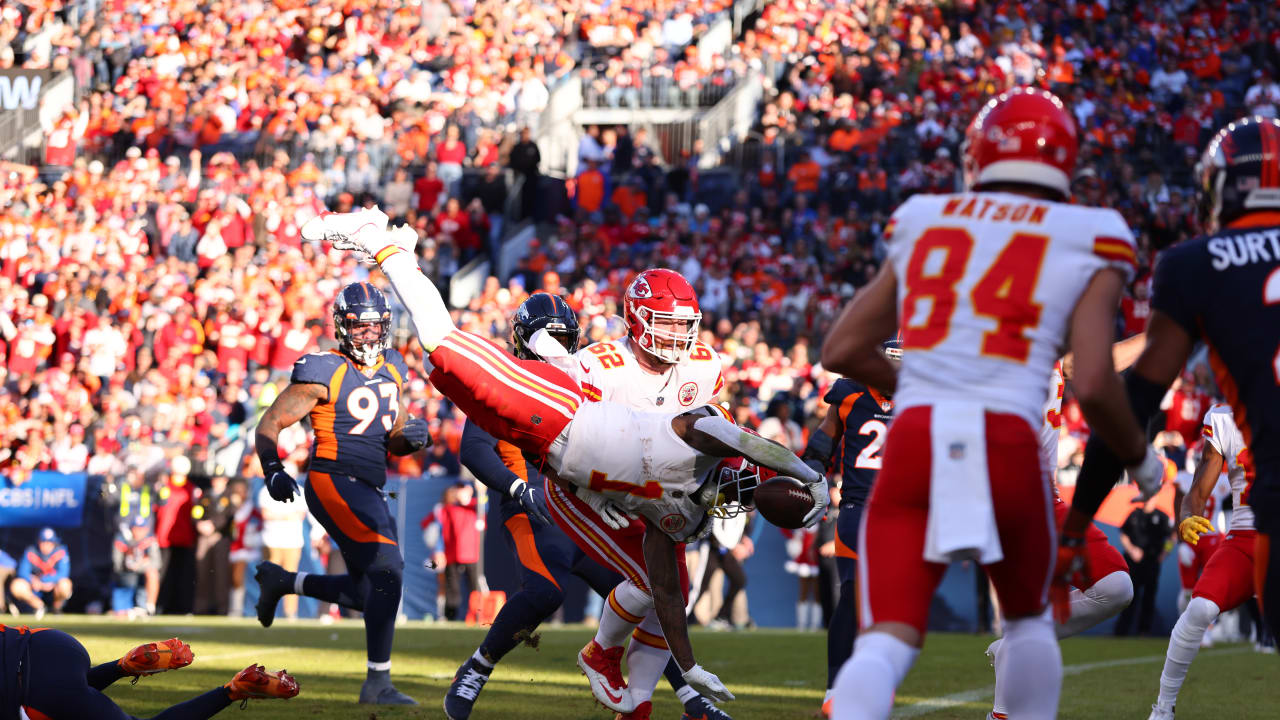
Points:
x=404 y=237
x=345 y=230
x=992 y=649
x=1159 y=713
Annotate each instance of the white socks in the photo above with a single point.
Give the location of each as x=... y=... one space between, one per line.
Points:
x=1106 y=598
x=808 y=615
x=865 y=686
x=426 y=308
x=647 y=657
x=237 y=602
x=297 y=583
x=624 y=609
x=480 y=659
x=1184 y=643
x=1029 y=668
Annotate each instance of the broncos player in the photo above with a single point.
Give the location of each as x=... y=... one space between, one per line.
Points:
x=618 y=462
x=353 y=397
x=852 y=433
x=45 y=675
x=1223 y=289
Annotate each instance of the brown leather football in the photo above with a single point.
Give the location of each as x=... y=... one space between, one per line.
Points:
x=784 y=501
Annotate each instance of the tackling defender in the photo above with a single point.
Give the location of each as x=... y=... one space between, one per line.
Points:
x=982 y=327
x=859 y=416
x=1227 y=580
x=45 y=675
x=353 y=397
x=1222 y=288
x=617 y=460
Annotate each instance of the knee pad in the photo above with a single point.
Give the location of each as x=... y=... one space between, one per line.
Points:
x=1116 y=588
x=1202 y=611
x=635 y=601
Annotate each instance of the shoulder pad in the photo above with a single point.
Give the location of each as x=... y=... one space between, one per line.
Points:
x=840 y=390
x=316 y=367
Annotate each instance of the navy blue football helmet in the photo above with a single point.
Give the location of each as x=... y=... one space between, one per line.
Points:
x=1239 y=172
x=544 y=311
x=893 y=347
x=362 y=322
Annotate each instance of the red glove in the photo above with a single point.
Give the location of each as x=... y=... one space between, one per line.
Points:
x=1072 y=570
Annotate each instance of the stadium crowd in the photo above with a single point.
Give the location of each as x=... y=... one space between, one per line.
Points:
x=154 y=291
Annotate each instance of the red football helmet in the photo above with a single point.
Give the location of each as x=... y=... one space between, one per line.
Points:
x=1025 y=135
x=736 y=481
x=657 y=303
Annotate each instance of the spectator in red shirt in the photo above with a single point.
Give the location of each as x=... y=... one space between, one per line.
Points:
x=452 y=531
x=429 y=189
x=176 y=533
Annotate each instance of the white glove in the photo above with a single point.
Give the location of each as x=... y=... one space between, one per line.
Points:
x=613 y=516
x=706 y=684
x=1148 y=474
x=545 y=346
x=821 y=498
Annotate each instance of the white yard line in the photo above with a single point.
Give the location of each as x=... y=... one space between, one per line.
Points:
x=924 y=707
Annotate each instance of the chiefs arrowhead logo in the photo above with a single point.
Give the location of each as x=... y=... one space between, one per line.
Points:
x=640 y=289
x=688 y=392
x=672 y=523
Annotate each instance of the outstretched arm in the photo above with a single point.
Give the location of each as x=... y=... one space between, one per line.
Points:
x=295 y=403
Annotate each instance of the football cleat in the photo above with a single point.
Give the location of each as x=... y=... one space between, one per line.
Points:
x=641 y=712
x=274 y=582
x=700 y=708
x=603 y=668
x=255 y=682
x=466 y=687
x=383 y=694
x=993 y=715
x=1159 y=713
x=156 y=657
x=345 y=227
x=826 y=707
x=992 y=649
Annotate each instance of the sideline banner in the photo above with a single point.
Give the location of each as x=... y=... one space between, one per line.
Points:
x=47 y=498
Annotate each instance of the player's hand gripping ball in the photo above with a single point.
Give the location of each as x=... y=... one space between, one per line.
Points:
x=784 y=501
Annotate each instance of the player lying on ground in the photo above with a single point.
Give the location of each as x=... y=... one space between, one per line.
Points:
x=1227 y=580
x=616 y=460
x=1222 y=289
x=545 y=554
x=353 y=396
x=1112 y=591
x=45 y=675
x=986 y=286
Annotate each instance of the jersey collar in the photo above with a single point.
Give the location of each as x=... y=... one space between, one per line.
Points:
x=1256 y=219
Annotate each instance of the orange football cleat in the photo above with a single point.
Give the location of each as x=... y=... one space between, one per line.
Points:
x=255 y=682
x=156 y=657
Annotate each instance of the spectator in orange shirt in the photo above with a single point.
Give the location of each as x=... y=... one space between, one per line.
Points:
x=591 y=188
x=805 y=175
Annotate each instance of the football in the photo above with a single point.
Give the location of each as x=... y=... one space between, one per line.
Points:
x=784 y=501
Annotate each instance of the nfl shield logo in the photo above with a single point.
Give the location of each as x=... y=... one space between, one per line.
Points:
x=957 y=451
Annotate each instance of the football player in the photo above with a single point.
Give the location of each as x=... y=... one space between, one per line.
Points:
x=1227 y=580
x=1222 y=289
x=353 y=397
x=982 y=325
x=853 y=434
x=45 y=675
x=658 y=367
x=615 y=461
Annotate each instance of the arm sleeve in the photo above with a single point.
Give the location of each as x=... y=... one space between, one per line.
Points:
x=479 y=453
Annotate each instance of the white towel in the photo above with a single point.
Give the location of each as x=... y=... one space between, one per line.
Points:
x=962 y=521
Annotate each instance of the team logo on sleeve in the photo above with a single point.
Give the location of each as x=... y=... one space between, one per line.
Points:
x=688 y=392
x=672 y=523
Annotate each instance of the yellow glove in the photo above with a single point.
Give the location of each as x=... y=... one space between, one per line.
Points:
x=1191 y=528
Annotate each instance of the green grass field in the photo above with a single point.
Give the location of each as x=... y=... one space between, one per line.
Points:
x=775 y=674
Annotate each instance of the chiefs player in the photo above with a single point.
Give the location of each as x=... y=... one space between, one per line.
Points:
x=982 y=325
x=660 y=366
x=1227 y=581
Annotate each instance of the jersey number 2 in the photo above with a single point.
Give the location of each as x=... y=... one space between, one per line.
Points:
x=364 y=406
x=869 y=458
x=1004 y=293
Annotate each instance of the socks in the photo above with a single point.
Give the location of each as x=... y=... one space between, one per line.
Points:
x=1184 y=643
x=481 y=660
x=340 y=589
x=1029 y=666
x=865 y=686
x=685 y=694
x=815 y=615
x=1105 y=599
x=624 y=609
x=298 y=579
x=647 y=656
x=426 y=308
x=237 y=603
x=802 y=615
x=841 y=632
x=99 y=677
x=200 y=706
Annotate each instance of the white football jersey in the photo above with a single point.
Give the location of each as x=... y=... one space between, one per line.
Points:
x=1213 y=504
x=987 y=283
x=1221 y=432
x=609 y=371
x=636 y=460
x=1052 y=424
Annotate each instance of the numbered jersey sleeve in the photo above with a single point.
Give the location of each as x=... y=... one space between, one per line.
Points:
x=1221 y=433
x=864 y=419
